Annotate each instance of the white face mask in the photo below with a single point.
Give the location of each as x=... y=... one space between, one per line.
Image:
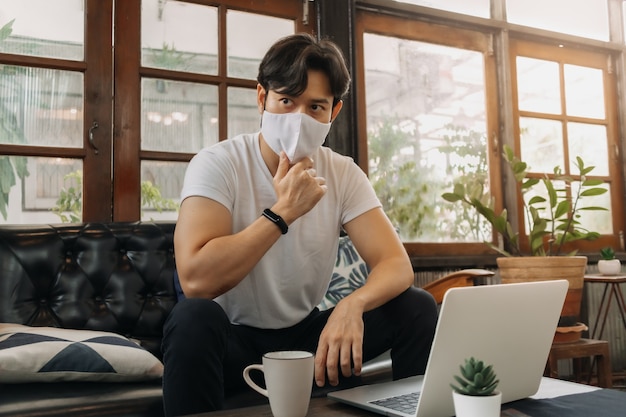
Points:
x=298 y=134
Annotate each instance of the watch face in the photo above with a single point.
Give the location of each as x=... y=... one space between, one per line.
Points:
x=278 y=221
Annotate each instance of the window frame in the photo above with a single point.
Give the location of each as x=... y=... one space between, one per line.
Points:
x=440 y=34
x=597 y=59
x=129 y=72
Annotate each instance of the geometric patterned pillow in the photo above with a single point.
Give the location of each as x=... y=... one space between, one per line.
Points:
x=46 y=354
x=350 y=273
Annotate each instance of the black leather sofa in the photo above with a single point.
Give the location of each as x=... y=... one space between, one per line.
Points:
x=114 y=277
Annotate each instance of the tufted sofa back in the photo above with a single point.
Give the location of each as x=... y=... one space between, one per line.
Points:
x=102 y=276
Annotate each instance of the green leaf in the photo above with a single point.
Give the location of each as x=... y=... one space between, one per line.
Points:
x=592 y=182
x=552 y=196
x=536 y=199
x=6 y=30
x=529 y=183
x=451 y=197
x=595 y=208
x=562 y=208
x=593 y=191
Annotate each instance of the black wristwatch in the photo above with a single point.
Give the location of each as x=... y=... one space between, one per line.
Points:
x=277 y=220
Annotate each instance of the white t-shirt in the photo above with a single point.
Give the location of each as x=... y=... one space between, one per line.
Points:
x=293 y=276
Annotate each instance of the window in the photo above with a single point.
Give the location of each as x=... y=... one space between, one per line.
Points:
x=441 y=94
x=587 y=18
x=564 y=106
x=50 y=86
x=428 y=121
x=197 y=87
x=181 y=76
x=470 y=7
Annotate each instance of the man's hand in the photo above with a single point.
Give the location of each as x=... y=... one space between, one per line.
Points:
x=297 y=187
x=341 y=343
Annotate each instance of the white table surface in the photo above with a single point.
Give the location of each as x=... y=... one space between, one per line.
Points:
x=551 y=388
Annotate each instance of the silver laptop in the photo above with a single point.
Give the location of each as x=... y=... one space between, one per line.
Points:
x=510 y=326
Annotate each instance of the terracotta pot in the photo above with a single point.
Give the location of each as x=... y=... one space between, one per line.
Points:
x=545 y=268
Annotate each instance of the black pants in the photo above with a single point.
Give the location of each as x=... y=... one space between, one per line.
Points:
x=204 y=355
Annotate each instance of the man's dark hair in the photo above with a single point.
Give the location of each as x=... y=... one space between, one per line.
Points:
x=285 y=65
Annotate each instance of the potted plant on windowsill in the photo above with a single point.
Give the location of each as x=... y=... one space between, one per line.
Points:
x=552 y=223
x=475 y=393
x=609 y=265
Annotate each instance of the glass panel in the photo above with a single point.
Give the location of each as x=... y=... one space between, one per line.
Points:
x=472 y=7
x=426 y=130
x=244 y=51
x=597 y=220
x=624 y=19
x=541 y=144
x=49 y=191
x=41 y=106
x=178 y=116
x=538 y=85
x=161 y=183
x=179 y=36
x=584 y=91
x=587 y=18
x=243 y=113
x=590 y=143
x=44 y=28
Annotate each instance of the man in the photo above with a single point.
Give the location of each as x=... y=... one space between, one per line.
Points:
x=256 y=241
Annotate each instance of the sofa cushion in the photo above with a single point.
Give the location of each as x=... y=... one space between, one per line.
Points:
x=32 y=354
x=350 y=272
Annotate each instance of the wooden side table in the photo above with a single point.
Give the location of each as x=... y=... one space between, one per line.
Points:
x=577 y=350
x=614 y=291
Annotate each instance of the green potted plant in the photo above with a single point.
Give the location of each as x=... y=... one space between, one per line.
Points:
x=609 y=265
x=474 y=393
x=553 y=221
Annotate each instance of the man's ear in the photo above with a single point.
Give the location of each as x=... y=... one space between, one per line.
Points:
x=336 y=110
x=261 y=97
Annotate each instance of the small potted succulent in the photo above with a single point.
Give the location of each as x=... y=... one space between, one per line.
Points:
x=475 y=393
x=609 y=265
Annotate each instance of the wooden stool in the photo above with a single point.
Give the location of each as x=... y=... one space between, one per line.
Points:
x=578 y=349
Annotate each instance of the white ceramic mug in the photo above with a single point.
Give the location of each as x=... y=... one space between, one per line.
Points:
x=289 y=381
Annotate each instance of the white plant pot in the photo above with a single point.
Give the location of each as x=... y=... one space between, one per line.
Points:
x=477 y=406
x=609 y=266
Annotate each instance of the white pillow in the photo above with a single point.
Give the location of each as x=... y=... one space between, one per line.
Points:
x=46 y=354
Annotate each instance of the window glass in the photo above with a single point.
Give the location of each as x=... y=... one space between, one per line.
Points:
x=552 y=139
x=597 y=220
x=541 y=143
x=168 y=44
x=538 y=85
x=584 y=91
x=41 y=106
x=244 y=51
x=590 y=143
x=472 y=7
x=178 y=116
x=49 y=190
x=426 y=129
x=243 y=113
x=161 y=182
x=624 y=19
x=586 y=18
x=44 y=28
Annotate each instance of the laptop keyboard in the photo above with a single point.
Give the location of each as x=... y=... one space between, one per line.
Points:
x=405 y=403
